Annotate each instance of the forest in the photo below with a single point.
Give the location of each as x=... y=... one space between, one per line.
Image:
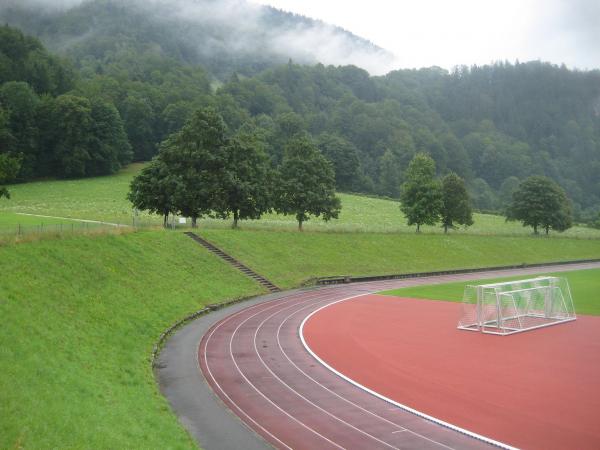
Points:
x=103 y=96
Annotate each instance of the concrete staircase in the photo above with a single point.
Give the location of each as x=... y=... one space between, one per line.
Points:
x=235 y=263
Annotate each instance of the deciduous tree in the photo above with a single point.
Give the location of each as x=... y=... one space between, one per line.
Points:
x=421 y=194
x=306 y=184
x=540 y=202
x=456 y=208
x=247 y=183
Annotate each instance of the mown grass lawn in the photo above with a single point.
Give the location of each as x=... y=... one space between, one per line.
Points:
x=289 y=258
x=584 y=284
x=104 y=198
x=79 y=319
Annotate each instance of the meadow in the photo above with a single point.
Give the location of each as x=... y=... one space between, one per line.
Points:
x=104 y=199
x=584 y=284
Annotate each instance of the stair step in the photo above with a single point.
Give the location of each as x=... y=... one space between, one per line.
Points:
x=232 y=261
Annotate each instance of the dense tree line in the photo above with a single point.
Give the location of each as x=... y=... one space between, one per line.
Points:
x=493 y=125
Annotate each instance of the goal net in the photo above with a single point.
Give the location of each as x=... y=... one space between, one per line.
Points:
x=514 y=306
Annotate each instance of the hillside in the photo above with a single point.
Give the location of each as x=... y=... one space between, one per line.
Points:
x=493 y=125
x=224 y=36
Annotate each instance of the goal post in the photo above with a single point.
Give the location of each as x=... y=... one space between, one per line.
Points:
x=515 y=306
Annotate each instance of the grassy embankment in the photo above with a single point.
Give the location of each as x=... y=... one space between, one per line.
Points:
x=289 y=258
x=584 y=284
x=79 y=319
x=104 y=199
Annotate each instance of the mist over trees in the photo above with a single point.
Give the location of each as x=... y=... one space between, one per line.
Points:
x=493 y=126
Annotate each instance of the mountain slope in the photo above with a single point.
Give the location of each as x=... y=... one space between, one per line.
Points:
x=222 y=35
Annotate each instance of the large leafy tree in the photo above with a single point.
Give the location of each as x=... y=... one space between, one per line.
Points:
x=541 y=203
x=421 y=194
x=247 y=179
x=153 y=190
x=456 y=208
x=306 y=184
x=196 y=156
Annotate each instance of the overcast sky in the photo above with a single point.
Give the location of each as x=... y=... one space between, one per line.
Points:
x=446 y=33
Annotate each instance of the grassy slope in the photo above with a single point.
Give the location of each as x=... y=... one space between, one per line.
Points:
x=104 y=198
x=289 y=258
x=79 y=319
x=584 y=284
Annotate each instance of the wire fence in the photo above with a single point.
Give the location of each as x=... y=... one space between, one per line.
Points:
x=32 y=231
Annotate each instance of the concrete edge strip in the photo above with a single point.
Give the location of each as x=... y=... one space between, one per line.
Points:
x=389 y=400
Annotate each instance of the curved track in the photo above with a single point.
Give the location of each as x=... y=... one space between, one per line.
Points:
x=255 y=362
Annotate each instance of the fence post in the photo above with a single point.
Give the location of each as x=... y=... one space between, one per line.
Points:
x=19 y=229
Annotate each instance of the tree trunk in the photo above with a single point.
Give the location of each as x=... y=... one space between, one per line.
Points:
x=299 y=224
x=535 y=231
x=418 y=228
x=194 y=222
x=547 y=229
x=445 y=229
x=236 y=217
x=165 y=220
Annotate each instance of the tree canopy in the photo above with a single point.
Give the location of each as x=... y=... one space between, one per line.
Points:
x=456 y=204
x=421 y=193
x=306 y=183
x=541 y=203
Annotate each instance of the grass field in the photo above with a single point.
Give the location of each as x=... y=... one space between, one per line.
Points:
x=79 y=319
x=289 y=258
x=104 y=198
x=584 y=284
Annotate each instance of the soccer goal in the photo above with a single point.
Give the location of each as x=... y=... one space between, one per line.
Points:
x=515 y=306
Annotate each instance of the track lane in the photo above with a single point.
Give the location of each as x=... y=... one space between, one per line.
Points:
x=256 y=364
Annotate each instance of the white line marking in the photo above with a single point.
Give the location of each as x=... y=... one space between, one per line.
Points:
x=74 y=220
x=300 y=395
x=325 y=387
x=389 y=400
x=217 y=383
x=260 y=392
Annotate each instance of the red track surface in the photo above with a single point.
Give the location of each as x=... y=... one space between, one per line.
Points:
x=535 y=390
x=255 y=362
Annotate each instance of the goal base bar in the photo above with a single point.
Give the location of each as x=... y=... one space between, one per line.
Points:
x=491 y=328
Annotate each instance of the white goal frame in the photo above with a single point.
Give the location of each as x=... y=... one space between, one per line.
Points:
x=516 y=306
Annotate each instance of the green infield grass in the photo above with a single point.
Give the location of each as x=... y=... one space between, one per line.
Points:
x=80 y=316
x=584 y=284
x=104 y=199
x=289 y=258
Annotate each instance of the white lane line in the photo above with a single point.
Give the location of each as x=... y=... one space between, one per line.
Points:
x=298 y=393
x=261 y=393
x=389 y=400
x=321 y=385
x=386 y=420
x=227 y=319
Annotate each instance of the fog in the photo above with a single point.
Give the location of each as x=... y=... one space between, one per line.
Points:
x=240 y=26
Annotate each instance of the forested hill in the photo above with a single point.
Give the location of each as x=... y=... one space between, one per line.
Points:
x=493 y=125
x=224 y=36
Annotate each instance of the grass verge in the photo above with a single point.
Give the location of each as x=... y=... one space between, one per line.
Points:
x=584 y=284
x=289 y=258
x=79 y=319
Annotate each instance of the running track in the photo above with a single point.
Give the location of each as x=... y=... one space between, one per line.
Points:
x=255 y=362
